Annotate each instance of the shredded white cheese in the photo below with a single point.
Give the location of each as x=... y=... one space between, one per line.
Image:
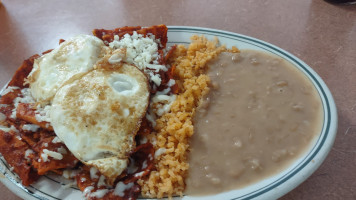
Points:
x=139 y=174
x=93 y=173
x=163 y=92
x=121 y=187
x=66 y=174
x=156 y=67
x=87 y=190
x=99 y=193
x=171 y=82
x=25 y=98
x=42 y=113
x=101 y=181
x=13 y=128
x=53 y=154
x=30 y=127
x=151 y=117
x=159 y=152
x=161 y=103
x=28 y=152
x=9 y=89
x=56 y=140
x=69 y=173
x=44 y=157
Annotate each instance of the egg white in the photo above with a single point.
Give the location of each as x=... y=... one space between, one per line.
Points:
x=70 y=60
x=98 y=115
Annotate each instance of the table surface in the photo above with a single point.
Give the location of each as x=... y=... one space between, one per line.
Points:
x=321 y=34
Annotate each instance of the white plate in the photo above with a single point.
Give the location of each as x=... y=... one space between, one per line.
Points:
x=50 y=187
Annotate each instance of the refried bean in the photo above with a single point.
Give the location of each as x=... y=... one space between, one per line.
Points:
x=260 y=114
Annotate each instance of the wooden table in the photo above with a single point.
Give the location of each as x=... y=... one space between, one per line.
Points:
x=321 y=34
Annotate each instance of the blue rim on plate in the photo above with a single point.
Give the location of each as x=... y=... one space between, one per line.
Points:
x=273 y=188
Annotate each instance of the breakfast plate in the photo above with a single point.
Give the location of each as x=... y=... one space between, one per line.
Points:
x=55 y=187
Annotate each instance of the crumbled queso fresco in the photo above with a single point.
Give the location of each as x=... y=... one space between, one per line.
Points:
x=140 y=51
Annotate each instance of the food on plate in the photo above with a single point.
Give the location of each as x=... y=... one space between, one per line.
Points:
x=263 y=112
x=174 y=128
x=121 y=113
x=84 y=109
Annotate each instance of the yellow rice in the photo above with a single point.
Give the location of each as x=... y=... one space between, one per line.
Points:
x=174 y=129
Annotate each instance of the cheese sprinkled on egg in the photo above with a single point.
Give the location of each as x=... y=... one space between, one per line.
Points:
x=140 y=51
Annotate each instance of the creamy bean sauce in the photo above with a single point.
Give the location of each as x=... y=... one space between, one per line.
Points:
x=261 y=114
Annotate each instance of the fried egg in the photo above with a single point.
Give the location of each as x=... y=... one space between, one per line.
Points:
x=98 y=115
x=70 y=60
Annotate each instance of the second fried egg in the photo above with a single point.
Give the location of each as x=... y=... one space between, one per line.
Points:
x=98 y=115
